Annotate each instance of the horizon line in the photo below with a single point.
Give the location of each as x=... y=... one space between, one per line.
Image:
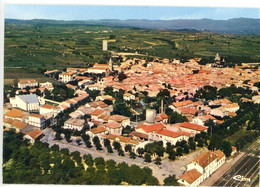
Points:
x=133 y=19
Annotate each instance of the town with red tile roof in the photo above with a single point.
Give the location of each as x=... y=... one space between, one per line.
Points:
x=136 y=105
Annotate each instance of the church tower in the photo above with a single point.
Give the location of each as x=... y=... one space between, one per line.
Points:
x=217 y=57
x=110 y=65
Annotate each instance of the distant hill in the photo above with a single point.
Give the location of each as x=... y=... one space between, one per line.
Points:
x=233 y=26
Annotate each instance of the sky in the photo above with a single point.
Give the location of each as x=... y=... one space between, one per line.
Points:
x=86 y=12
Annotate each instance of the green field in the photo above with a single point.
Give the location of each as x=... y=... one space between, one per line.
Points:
x=38 y=47
x=238 y=135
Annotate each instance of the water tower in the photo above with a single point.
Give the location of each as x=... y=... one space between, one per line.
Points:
x=150 y=115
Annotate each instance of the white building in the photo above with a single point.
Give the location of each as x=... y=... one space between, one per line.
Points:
x=192 y=128
x=67 y=76
x=200 y=120
x=46 y=109
x=113 y=128
x=123 y=120
x=200 y=168
x=45 y=84
x=74 y=124
x=16 y=114
x=28 y=102
x=99 y=69
x=33 y=135
x=99 y=132
x=165 y=136
x=128 y=97
x=24 y=83
x=191 y=178
x=36 y=120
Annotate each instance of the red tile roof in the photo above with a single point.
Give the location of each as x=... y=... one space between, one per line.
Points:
x=182 y=103
x=189 y=110
x=118 y=118
x=50 y=106
x=8 y=120
x=36 y=115
x=191 y=176
x=112 y=125
x=193 y=126
x=16 y=113
x=161 y=117
x=97 y=112
x=205 y=158
x=169 y=133
x=98 y=130
x=139 y=134
x=35 y=133
x=123 y=139
x=27 y=81
x=19 y=124
x=219 y=154
x=154 y=127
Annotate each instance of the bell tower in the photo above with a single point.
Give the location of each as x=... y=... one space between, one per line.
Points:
x=110 y=65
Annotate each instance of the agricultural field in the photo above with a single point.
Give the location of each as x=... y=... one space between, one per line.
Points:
x=35 y=47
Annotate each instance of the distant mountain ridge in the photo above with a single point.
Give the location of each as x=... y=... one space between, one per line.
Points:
x=232 y=26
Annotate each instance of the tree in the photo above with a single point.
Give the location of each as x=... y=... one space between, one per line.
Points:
x=200 y=142
x=158 y=161
x=38 y=92
x=120 y=152
x=115 y=176
x=58 y=136
x=88 y=160
x=169 y=147
x=67 y=134
x=112 y=36
x=47 y=94
x=170 y=181
x=99 y=161
x=175 y=117
x=95 y=140
x=106 y=142
x=98 y=146
x=179 y=151
x=172 y=155
x=120 y=108
x=147 y=158
x=85 y=137
x=109 y=149
x=152 y=181
x=192 y=145
x=110 y=163
x=116 y=145
x=65 y=151
x=132 y=155
x=140 y=151
x=226 y=148
x=88 y=143
x=55 y=147
x=186 y=149
x=78 y=141
x=215 y=142
x=109 y=90
x=128 y=148
x=121 y=77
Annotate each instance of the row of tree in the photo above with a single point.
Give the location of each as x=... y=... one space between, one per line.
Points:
x=40 y=164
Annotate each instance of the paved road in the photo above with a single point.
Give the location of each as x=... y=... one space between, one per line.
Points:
x=247 y=166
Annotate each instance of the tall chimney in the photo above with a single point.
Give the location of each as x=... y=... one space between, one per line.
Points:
x=162 y=106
